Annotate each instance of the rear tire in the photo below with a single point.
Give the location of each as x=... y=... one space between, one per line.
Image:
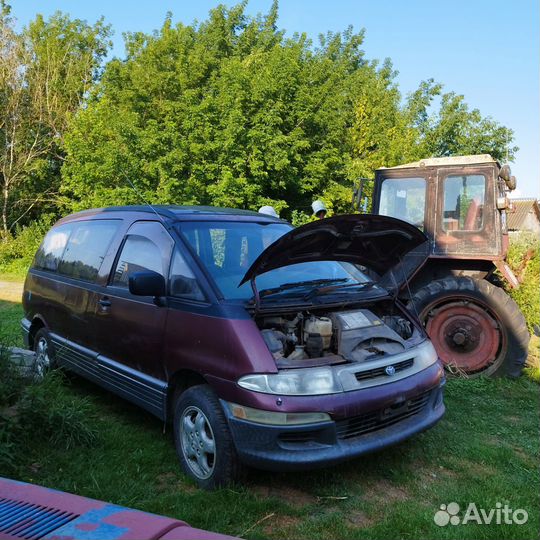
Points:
x=203 y=440
x=476 y=328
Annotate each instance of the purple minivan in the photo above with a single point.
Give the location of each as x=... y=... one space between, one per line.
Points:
x=265 y=345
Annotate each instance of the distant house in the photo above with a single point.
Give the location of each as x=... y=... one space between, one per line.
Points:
x=524 y=215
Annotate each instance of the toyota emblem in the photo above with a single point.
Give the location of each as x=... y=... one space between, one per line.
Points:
x=390 y=370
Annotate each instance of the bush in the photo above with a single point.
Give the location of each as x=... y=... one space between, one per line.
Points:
x=524 y=258
x=532 y=369
x=17 y=250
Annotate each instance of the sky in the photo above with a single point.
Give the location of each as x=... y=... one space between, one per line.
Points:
x=487 y=50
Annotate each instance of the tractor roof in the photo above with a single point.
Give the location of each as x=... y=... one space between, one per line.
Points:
x=446 y=161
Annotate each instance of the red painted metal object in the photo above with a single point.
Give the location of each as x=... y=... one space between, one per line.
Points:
x=466 y=335
x=34 y=513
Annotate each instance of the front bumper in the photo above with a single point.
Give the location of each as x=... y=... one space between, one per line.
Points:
x=293 y=448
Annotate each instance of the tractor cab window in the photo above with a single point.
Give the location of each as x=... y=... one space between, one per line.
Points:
x=464 y=202
x=404 y=198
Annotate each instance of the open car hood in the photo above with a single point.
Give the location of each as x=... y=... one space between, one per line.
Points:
x=392 y=248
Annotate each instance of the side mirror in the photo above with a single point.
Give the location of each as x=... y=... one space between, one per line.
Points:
x=147 y=284
x=505 y=173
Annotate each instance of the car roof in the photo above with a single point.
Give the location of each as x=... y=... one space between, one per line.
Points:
x=179 y=213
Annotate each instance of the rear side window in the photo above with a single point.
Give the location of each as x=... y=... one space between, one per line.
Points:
x=139 y=254
x=86 y=248
x=50 y=252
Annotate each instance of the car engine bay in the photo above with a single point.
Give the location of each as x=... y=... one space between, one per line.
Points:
x=309 y=338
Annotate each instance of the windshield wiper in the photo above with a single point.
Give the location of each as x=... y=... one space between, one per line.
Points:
x=333 y=288
x=297 y=284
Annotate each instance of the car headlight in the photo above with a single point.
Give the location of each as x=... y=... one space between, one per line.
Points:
x=426 y=355
x=294 y=382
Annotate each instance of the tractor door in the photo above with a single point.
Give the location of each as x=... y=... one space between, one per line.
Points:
x=465 y=213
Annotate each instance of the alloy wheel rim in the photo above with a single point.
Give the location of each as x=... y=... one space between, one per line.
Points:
x=43 y=362
x=198 y=442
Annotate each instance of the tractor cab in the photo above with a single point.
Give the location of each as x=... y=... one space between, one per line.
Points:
x=460 y=202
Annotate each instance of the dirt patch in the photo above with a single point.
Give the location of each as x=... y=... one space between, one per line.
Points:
x=429 y=475
x=292 y=496
x=170 y=481
x=523 y=455
x=359 y=520
x=475 y=468
x=281 y=524
x=520 y=453
x=11 y=291
x=385 y=490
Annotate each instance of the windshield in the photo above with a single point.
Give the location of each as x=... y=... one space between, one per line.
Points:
x=404 y=198
x=228 y=249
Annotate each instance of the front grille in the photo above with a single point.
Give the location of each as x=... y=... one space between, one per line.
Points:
x=382 y=418
x=380 y=371
x=30 y=521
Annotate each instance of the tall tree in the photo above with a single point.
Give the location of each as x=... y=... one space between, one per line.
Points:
x=227 y=112
x=453 y=128
x=232 y=112
x=45 y=72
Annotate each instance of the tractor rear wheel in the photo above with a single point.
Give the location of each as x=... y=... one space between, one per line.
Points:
x=476 y=328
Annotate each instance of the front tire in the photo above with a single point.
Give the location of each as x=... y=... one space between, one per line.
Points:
x=203 y=440
x=476 y=328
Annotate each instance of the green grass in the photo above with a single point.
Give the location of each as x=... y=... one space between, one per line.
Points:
x=10 y=327
x=485 y=450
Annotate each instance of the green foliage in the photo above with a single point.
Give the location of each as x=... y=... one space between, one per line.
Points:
x=11 y=382
x=227 y=112
x=46 y=409
x=532 y=369
x=17 y=251
x=452 y=129
x=46 y=70
x=31 y=412
x=524 y=259
x=230 y=112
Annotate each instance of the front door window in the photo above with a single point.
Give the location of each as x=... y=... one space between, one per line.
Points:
x=146 y=247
